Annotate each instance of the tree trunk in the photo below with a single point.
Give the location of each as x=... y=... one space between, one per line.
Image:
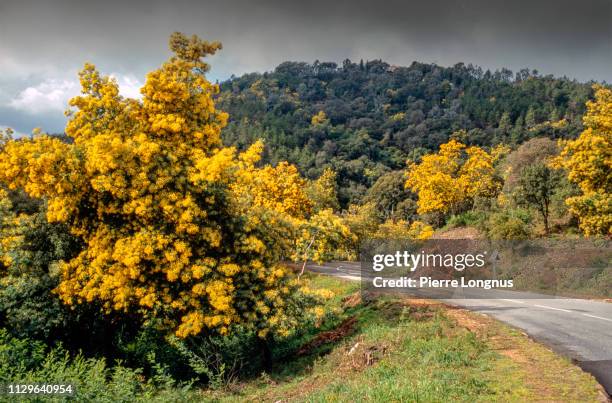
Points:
x=545 y=217
x=266 y=354
x=306 y=257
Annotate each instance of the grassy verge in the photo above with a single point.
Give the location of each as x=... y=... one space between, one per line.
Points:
x=392 y=349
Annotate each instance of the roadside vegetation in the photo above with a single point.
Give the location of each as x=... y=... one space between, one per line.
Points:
x=410 y=350
x=143 y=257
x=378 y=349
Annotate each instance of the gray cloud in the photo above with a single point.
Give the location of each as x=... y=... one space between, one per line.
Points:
x=44 y=42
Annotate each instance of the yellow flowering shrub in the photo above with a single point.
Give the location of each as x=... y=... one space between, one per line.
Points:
x=11 y=231
x=321 y=237
x=174 y=225
x=402 y=229
x=319 y=119
x=362 y=221
x=279 y=188
x=322 y=191
x=588 y=162
x=453 y=177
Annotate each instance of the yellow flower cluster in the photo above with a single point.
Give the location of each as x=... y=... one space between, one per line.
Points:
x=174 y=224
x=588 y=161
x=322 y=191
x=11 y=230
x=320 y=237
x=454 y=175
x=403 y=230
x=319 y=119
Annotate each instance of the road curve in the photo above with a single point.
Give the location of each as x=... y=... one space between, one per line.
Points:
x=577 y=328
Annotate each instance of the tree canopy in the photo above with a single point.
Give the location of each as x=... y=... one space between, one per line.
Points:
x=588 y=161
x=174 y=225
x=365 y=119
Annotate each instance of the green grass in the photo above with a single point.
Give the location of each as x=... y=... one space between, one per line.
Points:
x=415 y=351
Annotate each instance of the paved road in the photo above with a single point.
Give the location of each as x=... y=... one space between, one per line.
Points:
x=577 y=328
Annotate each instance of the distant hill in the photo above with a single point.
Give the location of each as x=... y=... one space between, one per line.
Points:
x=377 y=115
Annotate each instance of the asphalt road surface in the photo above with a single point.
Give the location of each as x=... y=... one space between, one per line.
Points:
x=577 y=328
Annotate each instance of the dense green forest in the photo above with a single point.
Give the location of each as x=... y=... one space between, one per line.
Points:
x=376 y=116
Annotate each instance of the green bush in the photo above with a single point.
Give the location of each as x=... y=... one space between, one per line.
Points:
x=468 y=219
x=209 y=360
x=219 y=360
x=510 y=224
x=26 y=361
x=28 y=306
x=18 y=355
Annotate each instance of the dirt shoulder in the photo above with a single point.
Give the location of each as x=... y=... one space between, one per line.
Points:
x=534 y=367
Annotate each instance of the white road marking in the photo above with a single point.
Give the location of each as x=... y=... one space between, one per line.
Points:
x=597 y=317
x=512 y=300
x=350 y=277
x=558 y=309
x=550 y=307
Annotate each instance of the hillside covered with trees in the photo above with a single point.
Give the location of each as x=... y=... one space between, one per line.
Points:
x=365 y=119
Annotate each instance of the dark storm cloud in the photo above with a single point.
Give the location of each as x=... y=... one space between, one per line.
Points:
x=44 y=43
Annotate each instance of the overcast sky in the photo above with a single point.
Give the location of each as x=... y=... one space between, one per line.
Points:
x=44 y=43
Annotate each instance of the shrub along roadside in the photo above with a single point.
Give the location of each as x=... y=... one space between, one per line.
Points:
x=146 y=364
